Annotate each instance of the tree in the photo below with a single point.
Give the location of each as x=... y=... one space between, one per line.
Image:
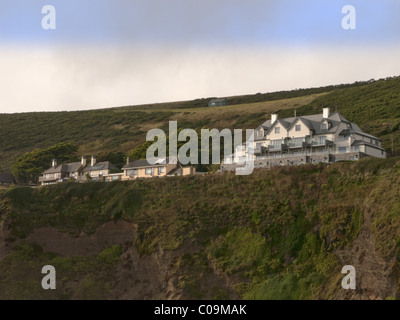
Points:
x=116 y=158
x=28 y=167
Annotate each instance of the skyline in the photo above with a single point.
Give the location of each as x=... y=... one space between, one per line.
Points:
x=109 y=54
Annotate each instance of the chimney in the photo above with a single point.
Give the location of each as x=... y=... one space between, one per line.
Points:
x=326 y=113
x=54 y=162
x=274 y=117
x=127 y=160
x=83 y=161
x=93 y=161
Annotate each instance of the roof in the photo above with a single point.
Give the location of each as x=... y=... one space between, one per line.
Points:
x=66 y=167
x=104 y=165
x=7 y=178
x=365 y=143
x=218 y=100
x=313 y=122
x=144 y=163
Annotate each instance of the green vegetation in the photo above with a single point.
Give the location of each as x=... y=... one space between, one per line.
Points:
x=30 y=166
x=79 y=277
x=273 y=243
x=373 y=105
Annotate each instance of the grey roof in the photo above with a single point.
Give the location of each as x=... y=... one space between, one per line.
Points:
x=7 y=178
x=104 y=165
x=218 y=100
x=313 y=122
x=144 y=163
x=54 y=169
x=362 y=143
x=66 y=167
x=72 y=166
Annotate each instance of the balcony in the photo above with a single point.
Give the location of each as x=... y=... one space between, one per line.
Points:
x=321 y=142
x=259 y=150
x=276 y=147
x=294 y=145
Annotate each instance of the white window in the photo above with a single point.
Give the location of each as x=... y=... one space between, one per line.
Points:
x=149 y=171
x=277 y=130
x=297 y=142
x=298 y=127
x=161 y=170
x=324 y=126
x=322 y=139
x=342 y=149
x=276 y=143
x=131 y=172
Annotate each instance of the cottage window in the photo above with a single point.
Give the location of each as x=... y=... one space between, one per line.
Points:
x=276 y=143
x=298 y=127
x=342 y=149
x=161 y=170
x=322 y=139
x=131 y=172
x=277 y=130
x=297 y=142
x=149 y=171
x=324 y=126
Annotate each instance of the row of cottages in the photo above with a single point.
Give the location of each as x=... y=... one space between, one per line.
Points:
x=106 y=171
x=325 y=137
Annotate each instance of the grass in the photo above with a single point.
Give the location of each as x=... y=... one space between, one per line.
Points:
x=279 y=241
x=76 y=277
x=373 y=106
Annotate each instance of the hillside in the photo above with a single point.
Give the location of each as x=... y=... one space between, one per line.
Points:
x=216 y=236
x=373 y=105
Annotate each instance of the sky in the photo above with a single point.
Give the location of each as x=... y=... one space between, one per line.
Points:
x=107 y=53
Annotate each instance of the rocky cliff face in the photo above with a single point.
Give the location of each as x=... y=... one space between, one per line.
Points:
x=150 y=276
x=279 y=234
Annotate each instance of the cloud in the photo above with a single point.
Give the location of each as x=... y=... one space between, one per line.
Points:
x=81 y=78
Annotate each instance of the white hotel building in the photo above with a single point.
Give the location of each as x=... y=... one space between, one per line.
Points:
x=325 y=137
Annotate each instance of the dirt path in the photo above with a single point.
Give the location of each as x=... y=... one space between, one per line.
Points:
x=374 y=276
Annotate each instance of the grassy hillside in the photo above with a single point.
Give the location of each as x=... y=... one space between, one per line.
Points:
x=374 y=105
x=278 y=234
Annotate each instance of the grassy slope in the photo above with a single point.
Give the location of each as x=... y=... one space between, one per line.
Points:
x=374 y=106
x=121 y=129
x=280 y=242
